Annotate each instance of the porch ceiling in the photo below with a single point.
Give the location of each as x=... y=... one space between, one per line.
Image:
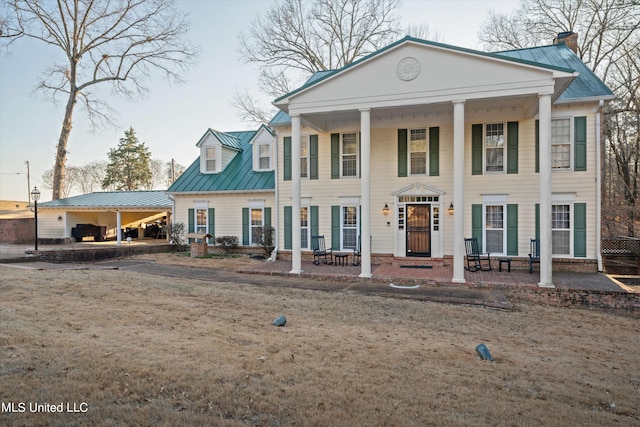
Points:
x=517 y=106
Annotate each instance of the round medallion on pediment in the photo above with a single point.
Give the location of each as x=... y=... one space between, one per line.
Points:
x=408 y=68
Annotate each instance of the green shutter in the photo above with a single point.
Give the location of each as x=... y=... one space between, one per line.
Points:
x=267 y=217
x=335 y=155
x=538 y=221
x=402 y=152
x=537 y=145
x=360 y=153
x=512 y=229
x=476 y=151
x=191 y=215
x=288 y=236
x=580 y=230
x=287 y=158
x=580 y=144
x=314 y=220
x=313 y=157
x=211 y=218
x=245 y=226
x=476 y=224
x=192 y=220
x=434 y=151
x=512 y=147
x=335 y=227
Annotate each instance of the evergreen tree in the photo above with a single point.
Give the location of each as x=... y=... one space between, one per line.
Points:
x=129 y=164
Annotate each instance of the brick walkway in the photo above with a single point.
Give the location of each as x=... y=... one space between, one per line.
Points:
x=441 y=276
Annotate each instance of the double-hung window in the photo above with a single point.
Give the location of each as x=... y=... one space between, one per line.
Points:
x=494 y=146
x=304 y=156
x=304 y=227
x=561 y=229
x=210 y=159
x=561 y=143
x=201 y=220
x=256 y=225
x=494 y=229
x=349 y=227
x=418 y=151
x=349 y=154
x=264 y=156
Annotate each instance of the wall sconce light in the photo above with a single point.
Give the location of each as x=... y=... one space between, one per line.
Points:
x=451 y=209
x=60 y=218
x=385 y=210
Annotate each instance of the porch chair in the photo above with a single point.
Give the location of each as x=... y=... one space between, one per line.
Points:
x=320 y=251
x=534 y=254
x=475 y=259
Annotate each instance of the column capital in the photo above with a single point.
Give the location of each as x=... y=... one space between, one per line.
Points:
x=364 y=110
x=541 y=94
x=293 y=114
x=458 y=101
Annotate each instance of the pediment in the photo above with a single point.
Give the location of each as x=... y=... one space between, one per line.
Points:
x=419 y=189
x=423 y=73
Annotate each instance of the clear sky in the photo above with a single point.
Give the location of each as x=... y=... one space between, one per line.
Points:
x=173 y=117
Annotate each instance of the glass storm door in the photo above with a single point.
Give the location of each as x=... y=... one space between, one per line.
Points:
x=419 y=230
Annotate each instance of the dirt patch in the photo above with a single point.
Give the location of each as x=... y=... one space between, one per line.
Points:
x=223 y=262
x=138 y=349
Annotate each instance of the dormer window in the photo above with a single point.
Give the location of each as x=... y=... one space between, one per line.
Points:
x=210 y=159
x=264 y=156
x=263 y=143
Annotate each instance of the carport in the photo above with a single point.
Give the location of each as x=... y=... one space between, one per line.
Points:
x=98 y=216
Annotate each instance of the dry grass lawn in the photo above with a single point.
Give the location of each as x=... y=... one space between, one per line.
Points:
x=148 y=350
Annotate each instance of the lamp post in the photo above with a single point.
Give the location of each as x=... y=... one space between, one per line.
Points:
x=35 y=195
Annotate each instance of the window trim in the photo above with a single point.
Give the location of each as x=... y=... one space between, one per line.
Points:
x=485 y=148
x=570 y=229
x=571 y=143
x=307 y=170
x=259 y=157
x=503 y=205
x=357 y=155
x=217 y=159
x=342 y=225
x=252 y=226
x=426 y=152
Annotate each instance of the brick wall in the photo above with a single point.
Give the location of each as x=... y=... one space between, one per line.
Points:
x=17 y=230
x=96 y=254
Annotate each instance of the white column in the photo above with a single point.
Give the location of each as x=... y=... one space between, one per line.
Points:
x=365 y=191
x=296 y=252
x=544 y=116
x=118 y=227
x=458 y=192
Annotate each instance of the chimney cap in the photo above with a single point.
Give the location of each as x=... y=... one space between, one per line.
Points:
x=564 y=34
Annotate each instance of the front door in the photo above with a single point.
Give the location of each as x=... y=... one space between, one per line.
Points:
x=419 y=230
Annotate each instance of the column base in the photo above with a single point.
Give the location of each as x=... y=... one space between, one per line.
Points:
x=296 y=272
x=546 y=285
x=366 y=275
x=458 y=281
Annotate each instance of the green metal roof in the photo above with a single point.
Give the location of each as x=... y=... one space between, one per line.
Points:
x=237 y=176
x=225 y=139
x=114 y=200
x=586 y=85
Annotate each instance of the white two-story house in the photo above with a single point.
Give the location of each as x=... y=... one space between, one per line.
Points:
x=421 y=144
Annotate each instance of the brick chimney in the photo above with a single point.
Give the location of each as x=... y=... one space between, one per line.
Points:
x=569 y=38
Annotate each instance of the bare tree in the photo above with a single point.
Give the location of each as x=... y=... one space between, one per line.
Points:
x=296 y=38
x=119 y=43
x=609 y=43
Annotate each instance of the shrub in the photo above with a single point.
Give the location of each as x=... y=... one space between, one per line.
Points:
x=228 y=243
x=176 y=235
x=266 y=241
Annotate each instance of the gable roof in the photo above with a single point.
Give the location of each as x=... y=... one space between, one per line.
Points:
x=586 y=85
x=323 y=75
x=114 y=200
x=226 y=139
x=238 y=176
